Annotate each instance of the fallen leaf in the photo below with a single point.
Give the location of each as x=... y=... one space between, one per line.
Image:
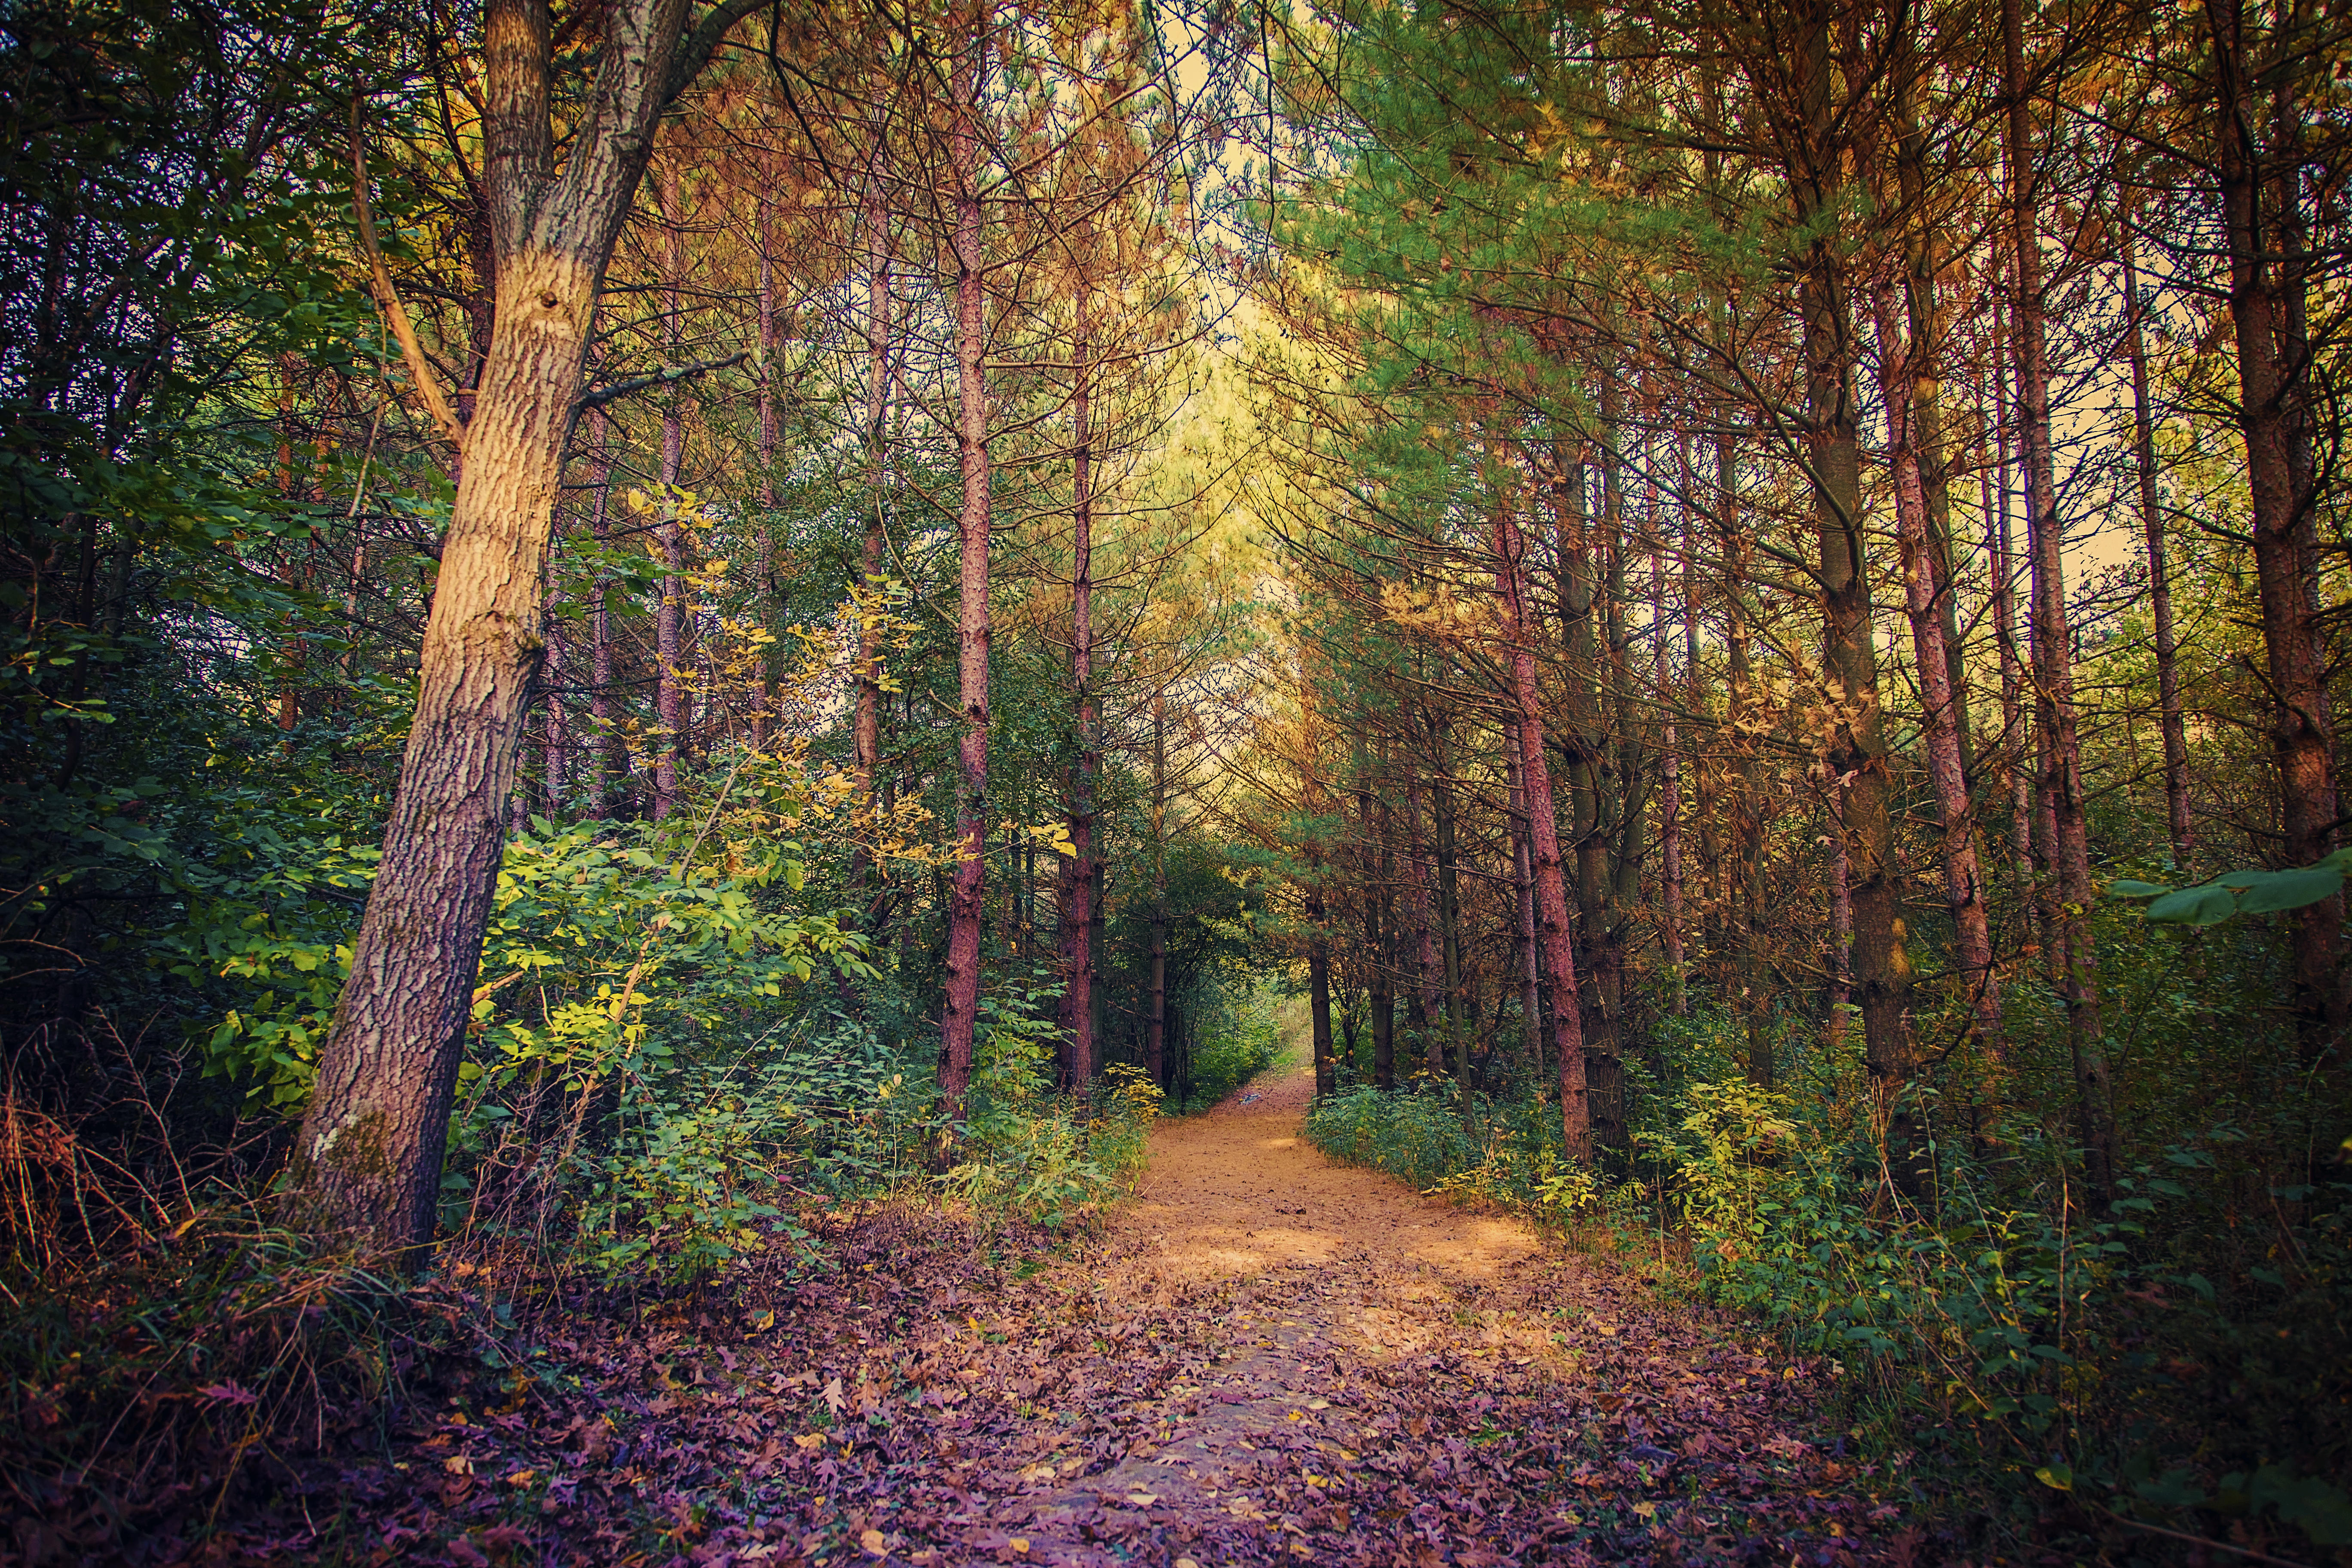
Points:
x=877 y=1542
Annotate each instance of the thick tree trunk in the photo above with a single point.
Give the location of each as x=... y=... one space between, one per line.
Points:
x=2052 y=643
x=972 y=524
x=2159 y=578
x=368 y=1158
x=1900 y=372
x=2270 y=258
x=1857 y=752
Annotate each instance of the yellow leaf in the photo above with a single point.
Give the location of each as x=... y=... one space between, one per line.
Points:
x=874 y=1540
x=1019 y=1544
x=522 y=1478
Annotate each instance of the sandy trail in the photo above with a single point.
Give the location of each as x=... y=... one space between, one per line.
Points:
x=1346 y=1371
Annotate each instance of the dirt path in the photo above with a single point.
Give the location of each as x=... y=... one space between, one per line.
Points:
x=1394 y=1379
x=1264 y=1357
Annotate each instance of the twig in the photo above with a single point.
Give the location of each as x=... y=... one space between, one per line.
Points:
x=2247 y=1552
x=428 y=386
x=597 y=397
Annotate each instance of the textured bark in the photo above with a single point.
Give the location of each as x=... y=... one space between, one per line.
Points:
x=368 y=1158
x=2270 y=256
x=973 y=523
x=1900 y=370
x=2053 y=672
x=2159 y=579
x=1855 y=755
x=1523 y=903
x=1550 y=883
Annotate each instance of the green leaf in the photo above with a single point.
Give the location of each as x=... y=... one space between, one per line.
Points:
x=2124 y=887
x=2292 y=890
x=2205 y=906
x=2056 y=1476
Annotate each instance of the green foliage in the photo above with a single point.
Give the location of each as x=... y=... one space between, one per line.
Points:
x=1505 y=1151
x=2245 y=892
x=1232 y=1050
x=1028 y=1151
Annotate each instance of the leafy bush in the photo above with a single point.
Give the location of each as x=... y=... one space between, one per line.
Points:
x=1506 y=1152
x=1031 y=1152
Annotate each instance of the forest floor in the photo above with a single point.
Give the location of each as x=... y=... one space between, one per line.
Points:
x=1265 y=1356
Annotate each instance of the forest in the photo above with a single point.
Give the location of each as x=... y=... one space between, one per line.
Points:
x=692 y=690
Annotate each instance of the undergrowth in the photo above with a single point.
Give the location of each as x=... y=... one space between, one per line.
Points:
x=169 y=1350
x=2175 y=1365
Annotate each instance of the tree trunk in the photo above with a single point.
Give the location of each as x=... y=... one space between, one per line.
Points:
x=610 y=749
x=1670 y=783
x=2159 y=578
x=1900 y=372
x=1856 y=750
x=1379 y=945
x=2270 y=258
x=368 y=1159
x=1077 y=914
x=1550 y=895
x=973 y=523
x=669 y=618
x=865 y=723
x=1428 y=1006
x=1522 y=901
x=769 y=592
x=2019 y=788
x=1318 y=996
x=2052 y=643
x=1156 y=1036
